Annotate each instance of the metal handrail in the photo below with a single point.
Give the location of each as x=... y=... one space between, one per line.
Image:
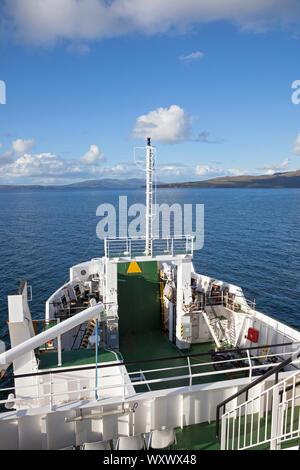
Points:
x=246 y=389
x=148 y=371
x=278 y=418
x=220 y=299
x=144 y=361
x=188 y=366
x=116 y=247
x=123 y=384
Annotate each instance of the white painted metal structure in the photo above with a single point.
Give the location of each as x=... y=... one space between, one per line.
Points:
x=8 y=357
x=161 y=248
x=68 y=406
x=270 y=416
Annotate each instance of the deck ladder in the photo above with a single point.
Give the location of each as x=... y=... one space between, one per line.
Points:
x=212 y=329
x=215 y=326
x=88 y=333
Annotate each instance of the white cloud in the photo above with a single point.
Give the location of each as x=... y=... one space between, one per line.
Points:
x=173 y=169
x=236 y=172
x=18 y=147
x=277 y=167
x=92 y=157
x=214 y=171
x=44 y=164
x=209 y=171
x=165 y=125
x=6 y=157
x=47 y=21
x=191 y=57
x=122 y=170
x=18 y=163
x=48 y=168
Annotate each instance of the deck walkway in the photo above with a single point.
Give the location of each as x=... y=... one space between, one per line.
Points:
x=156 y=345
x=48 y=360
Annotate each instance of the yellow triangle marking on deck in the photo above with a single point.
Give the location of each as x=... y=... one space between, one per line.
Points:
x=133 y=268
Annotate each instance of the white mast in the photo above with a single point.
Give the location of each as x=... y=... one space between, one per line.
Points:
x=149 y=196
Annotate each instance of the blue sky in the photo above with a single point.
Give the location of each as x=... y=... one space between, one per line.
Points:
x=214 y=91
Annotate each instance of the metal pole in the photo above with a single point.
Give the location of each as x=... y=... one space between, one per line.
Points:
x=149 y=201
x=250 y=366
x=51 y=400
x=59 y=361
x=96 y=371
x=190 y=371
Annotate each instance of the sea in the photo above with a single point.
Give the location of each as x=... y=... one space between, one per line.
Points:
x=251 y=239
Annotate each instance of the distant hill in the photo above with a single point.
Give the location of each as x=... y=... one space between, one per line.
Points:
x=290 y=179
x=106 y=183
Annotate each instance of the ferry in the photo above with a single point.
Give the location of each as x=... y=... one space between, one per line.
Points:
x=138 y=351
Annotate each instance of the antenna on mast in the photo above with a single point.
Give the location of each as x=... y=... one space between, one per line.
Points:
x=148 y=167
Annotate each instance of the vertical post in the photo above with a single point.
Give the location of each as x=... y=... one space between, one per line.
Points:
x=275 y=420
x=250 y=365
x=149 y=195
x=51 y=401
x=223 y=432
x=123 y=377
x=96 y=361
x=59 y=362
x=190 y=370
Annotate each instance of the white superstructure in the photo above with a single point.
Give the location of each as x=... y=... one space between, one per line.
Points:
x=73 y=385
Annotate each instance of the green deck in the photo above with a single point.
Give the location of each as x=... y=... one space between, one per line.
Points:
x=196 y=437
x=203 y=436
x=156 y=345
x=48 y=360
x=140 y=330
x=138 y=299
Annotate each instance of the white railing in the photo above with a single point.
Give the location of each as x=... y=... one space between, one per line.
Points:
x=268 y=419
x=132 y=247
x=221 y=299
x=55 y=394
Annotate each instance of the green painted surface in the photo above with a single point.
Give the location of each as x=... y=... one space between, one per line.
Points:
x=203 y=436
x=77 y=358
x=138 y=299
x=140 y=332
x=44 y=327
x=196 y=437
x=156 y=345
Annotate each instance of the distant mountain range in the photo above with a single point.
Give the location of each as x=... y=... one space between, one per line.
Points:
x=290 y=179
x=107 y=183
